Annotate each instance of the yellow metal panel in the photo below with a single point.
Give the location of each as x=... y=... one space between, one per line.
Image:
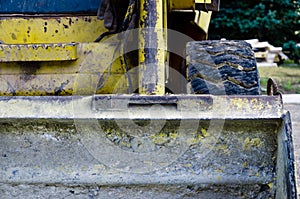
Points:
x=38 y=52
x=180 y=4
x=97 y=69
x=62 y=84
x=203 y=1
x=26 y=30
x=92 y=58
x=204 y=20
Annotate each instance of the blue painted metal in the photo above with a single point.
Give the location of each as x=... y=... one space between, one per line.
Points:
x=48 y=6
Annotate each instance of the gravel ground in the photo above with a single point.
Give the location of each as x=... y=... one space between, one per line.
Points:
x=292 y=104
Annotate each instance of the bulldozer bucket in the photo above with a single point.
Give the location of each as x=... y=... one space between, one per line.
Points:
x=136 y=146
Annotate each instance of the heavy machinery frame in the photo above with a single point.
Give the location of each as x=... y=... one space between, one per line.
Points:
x=71 y=125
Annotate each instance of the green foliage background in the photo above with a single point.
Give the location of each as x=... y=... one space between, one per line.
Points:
x=275 y=21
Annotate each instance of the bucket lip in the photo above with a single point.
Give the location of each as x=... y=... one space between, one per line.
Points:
x=117 y=106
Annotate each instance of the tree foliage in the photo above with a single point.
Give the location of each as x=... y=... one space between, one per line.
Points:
x=275 y=21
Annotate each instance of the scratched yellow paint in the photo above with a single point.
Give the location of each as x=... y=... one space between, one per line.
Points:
x=38 y=52
x=96 y=70
x=160 y=55
x=251 y=142
x=238 y=103
x=27 y=30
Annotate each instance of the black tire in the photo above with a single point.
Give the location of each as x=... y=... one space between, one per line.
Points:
x=222 y=68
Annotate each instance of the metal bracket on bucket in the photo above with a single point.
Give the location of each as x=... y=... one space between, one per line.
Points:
x=194 y=106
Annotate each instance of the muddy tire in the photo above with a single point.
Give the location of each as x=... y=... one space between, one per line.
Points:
x=222 y=68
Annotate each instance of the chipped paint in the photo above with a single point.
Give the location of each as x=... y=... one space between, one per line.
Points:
x=151 y=56
x=46 y=77
x=251 y=142
x=38 y=52
x=55 y=29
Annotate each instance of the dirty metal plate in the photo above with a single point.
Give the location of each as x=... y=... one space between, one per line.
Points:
x=38 y=52
x=174 y=107
x=188 y=106
x=97 y=63
x=41 y=151
x=50 y=29
x=75 y=141
x=179 y=4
